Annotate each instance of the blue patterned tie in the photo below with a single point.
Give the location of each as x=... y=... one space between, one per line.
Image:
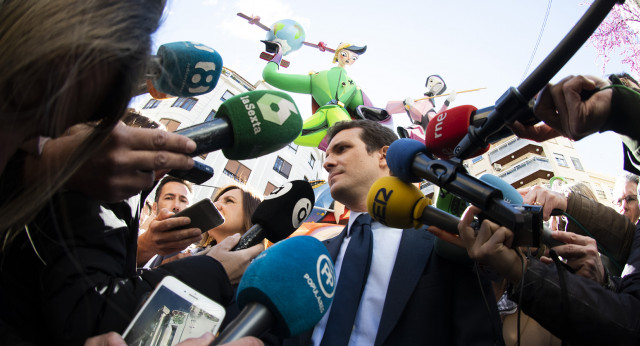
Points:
x=353 y=277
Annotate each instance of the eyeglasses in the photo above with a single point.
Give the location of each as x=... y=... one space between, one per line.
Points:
x=628 y=199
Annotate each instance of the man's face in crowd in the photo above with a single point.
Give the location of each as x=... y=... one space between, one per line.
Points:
x=352 y=170
x=174 y=196
x=626 y=200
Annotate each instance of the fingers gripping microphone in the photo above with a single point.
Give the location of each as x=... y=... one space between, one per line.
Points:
x=286 y=290
x=185 y=69
x=248 y=125
x=511 y=195
x=280 y=214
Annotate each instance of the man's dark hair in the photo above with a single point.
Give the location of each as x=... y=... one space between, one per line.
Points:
x=170 y=179
x=374 y=135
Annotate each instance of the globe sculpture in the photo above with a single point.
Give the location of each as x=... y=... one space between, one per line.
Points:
x=288 y=33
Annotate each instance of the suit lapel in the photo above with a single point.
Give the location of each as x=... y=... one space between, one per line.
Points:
x=413 y=254
x=333 y=244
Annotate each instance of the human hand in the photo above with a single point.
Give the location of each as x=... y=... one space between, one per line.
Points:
x=549 y=200
x=207 y=338
x=491 y=245
x=561 y=106
x=162 y=238
x=114 y=339
x=178 y=256
x=234 y=262
x=126 y=163
x=581 y=253
x=108 y=339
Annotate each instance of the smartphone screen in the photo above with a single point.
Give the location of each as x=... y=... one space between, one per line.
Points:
x=173 y=313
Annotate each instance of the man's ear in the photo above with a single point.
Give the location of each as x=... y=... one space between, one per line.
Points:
x=383 y=156
x=154 y=208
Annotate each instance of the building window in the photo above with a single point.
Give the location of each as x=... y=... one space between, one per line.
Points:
x=560 y=160
x=269 y=189
x=185 y=103
x=283 y=167
x=312 y=161
x=293 y=147
x=227 y=95
x=210 y=116
x=153 y=103
x=170 y=124
x=577 y=164
x=237 y=171
x=476 y=159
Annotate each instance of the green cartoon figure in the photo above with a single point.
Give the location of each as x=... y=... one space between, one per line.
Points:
x=335 y=95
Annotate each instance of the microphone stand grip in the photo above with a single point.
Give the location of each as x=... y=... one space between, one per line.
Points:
x=254 y=320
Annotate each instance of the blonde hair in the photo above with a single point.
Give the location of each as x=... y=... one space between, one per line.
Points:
x=53 y=51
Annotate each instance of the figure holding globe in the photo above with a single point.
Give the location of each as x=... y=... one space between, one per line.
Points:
x=335 y=96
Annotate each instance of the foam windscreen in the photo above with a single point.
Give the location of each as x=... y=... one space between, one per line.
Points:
x=262 y=121
x=446 y=129
x=295 y=280
x=188 y=69
x=285 y=209
x=396 y=203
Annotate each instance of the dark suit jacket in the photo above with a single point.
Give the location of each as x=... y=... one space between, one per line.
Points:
x=430 y=300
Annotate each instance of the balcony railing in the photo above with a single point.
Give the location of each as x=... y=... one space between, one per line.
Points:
x=525 y=169
x=427 y=189
x=508 y=148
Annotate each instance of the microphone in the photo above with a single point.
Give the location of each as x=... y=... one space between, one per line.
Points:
x=184 y=69
x=248 y=125
x=409 y=160
x=399 y=204
x=280 y=214
x=511 y=195
x=513 y=105
x=286 y=290
x=448 y=128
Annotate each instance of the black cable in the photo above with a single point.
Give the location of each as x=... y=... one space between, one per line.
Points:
x=535 y=49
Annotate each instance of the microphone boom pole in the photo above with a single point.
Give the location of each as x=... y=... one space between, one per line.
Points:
x=514 y=102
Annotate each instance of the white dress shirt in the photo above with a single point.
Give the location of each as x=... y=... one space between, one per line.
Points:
x=385 y=249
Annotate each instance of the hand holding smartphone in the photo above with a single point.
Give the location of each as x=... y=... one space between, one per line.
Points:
x=172 y=313
x=203 y=214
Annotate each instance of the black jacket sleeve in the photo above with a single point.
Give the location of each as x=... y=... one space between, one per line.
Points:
x=592 y=314
x=77 y=275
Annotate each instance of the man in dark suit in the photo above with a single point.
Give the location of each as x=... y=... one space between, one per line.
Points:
x=409 y=294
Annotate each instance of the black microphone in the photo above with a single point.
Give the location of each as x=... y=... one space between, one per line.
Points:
x=513 y=105
x=280 y=214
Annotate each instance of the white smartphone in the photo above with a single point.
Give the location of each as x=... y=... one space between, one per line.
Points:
x=173 y=312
